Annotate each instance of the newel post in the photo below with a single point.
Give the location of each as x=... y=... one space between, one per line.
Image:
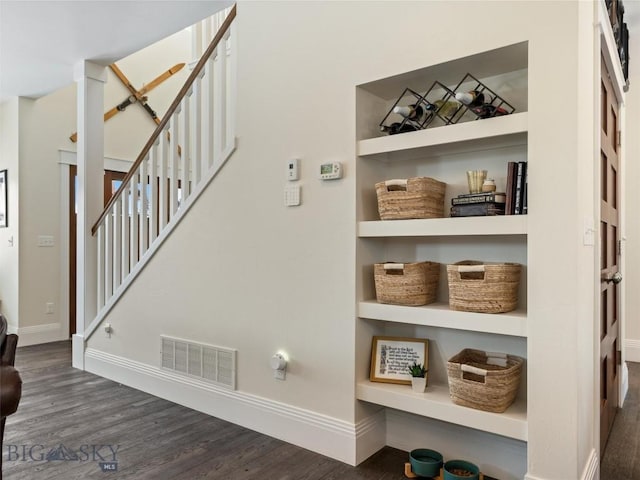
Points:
x=90 y=79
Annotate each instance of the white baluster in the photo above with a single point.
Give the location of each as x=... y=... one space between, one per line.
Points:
x=185 y=164
x=101 y=265
x=163 y=198
x=153 y=180
x=197 y=129
x=108 y=263
x=208 y=101
x=144 y=206
x=117 y=243
x=126 y=228
x=174 y=160
x=220 y=103
x=230 y=119
x=134 y=208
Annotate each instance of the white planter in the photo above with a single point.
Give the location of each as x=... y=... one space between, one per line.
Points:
x=419 y=384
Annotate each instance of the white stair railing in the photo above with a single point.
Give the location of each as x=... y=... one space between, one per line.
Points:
x=189 y=146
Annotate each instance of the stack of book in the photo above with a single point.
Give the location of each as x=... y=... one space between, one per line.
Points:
x=478 y=204
x=516 y=202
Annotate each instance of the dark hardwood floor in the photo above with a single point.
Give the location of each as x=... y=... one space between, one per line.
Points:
x=153 y=438
x=156 y=439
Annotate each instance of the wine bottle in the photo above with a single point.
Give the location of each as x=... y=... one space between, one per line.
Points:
x=446 y=109
x=417 y=113
x=398 y=127
x=487 y=110
x=474 y=98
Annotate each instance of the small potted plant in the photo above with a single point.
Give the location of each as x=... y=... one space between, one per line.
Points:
x=418 y=377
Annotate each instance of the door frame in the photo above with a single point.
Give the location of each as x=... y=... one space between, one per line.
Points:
x=68 y=158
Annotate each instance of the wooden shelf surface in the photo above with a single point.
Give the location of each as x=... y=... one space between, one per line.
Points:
x=439 y=315
x=436 y=403
x=468 y=136
x=443 y=227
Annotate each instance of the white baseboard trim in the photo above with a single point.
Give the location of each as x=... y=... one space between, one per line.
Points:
x=371 y=435
x=320 y=433
x=591 y=470
x=624 y=384
x=50 y=332
x=632 y=350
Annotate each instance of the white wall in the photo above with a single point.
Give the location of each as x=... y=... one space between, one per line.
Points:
x=9 y=247
x=44 y=129
x=243 y=271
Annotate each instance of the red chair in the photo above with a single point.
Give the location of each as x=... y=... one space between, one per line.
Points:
x=10 y=381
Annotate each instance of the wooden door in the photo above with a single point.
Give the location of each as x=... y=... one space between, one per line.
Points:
x=609 y=257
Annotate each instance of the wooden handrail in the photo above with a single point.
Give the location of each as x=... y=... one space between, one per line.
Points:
x=183 y=91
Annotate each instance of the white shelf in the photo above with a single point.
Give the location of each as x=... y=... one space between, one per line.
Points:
x=492 y=133
x=439 y=315
x=435 y=403
x=443 y=227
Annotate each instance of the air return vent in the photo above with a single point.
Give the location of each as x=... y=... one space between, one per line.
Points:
x=214 y=364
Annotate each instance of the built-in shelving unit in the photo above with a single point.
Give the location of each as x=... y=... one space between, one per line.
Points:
x=443 y=153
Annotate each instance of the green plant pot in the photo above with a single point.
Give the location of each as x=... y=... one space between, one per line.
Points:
x=453 y=470
x=425 y=462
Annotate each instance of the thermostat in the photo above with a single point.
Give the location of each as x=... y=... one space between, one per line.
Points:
x=330 y=171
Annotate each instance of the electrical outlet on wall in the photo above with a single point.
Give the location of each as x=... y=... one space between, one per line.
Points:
x=48 y=308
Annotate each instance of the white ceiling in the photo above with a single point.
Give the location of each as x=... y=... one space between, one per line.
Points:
x=41 y=41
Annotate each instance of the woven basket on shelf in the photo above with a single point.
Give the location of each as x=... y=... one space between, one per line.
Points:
x=406 y=283
x=418 y=197
x=484 y=288
x=484 y=381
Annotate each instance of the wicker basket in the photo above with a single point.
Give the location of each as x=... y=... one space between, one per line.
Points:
x=484 y=381
x=484 y=288
x=407 y=283
x=418 y=197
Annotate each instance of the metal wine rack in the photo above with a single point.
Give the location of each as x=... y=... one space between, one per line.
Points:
x=441 y=107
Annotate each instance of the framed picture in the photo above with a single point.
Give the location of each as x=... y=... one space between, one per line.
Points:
x=392 y=356
x=3 y=199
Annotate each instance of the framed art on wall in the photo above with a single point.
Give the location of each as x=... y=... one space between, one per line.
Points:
x=3 y=199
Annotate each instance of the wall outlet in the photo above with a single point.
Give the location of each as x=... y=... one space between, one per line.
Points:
x=48 y=308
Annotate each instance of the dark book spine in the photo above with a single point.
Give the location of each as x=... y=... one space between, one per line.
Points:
x=477 y=209
x=488 y=197
x=526 y=191
x=522 y=166
x=511 y=170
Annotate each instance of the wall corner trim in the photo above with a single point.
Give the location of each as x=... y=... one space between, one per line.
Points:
x=320 y=433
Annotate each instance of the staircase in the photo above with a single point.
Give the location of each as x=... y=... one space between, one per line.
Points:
x=190 y=145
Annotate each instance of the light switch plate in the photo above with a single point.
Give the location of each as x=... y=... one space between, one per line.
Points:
x=45 y=241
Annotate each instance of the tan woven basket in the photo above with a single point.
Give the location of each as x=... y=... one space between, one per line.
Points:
x=407 y=283
x=484 y=381
x=484 y=288
x=418 y=197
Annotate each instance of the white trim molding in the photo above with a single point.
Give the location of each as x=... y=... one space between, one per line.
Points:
x=591 y=470
x=632 y=350
x=36 y=334
x=314 y=431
